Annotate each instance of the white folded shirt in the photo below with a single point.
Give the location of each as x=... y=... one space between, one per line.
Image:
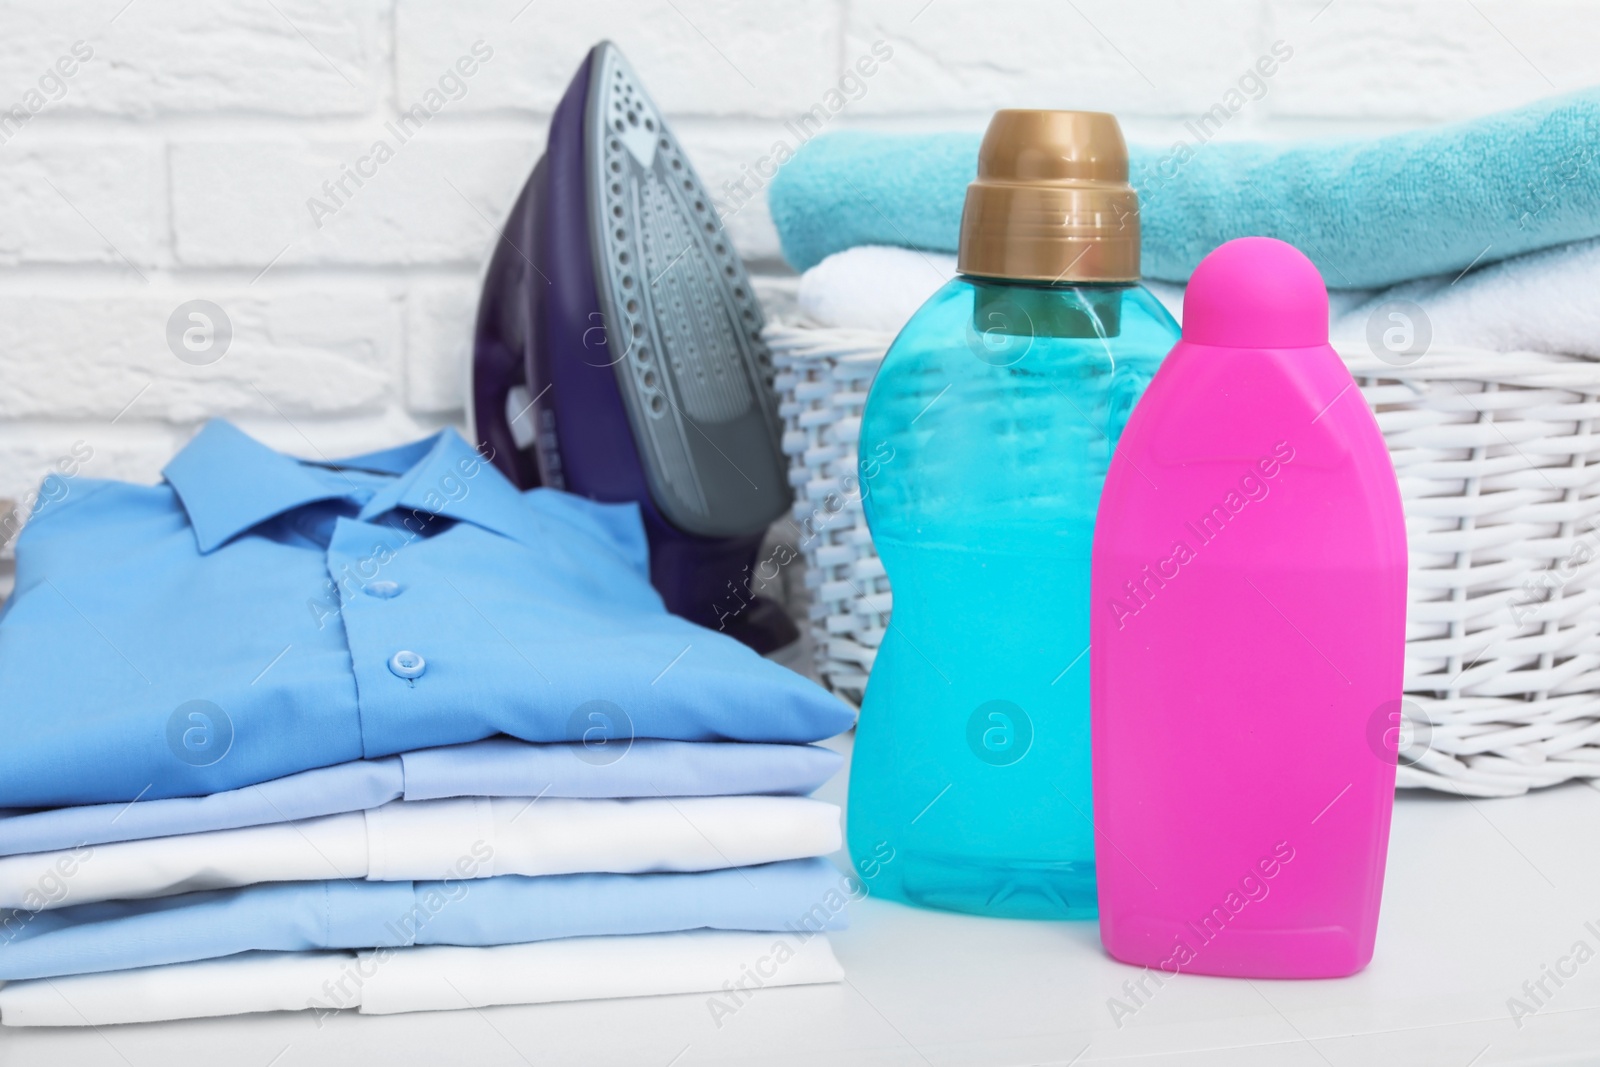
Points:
x=466 y=837
x=436 y=978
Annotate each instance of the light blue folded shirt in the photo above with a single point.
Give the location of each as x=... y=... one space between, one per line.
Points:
x=808 y=895
x=256 y=615
x=498 y=767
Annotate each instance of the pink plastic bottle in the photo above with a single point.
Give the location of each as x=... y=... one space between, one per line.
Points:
x=1248 y=633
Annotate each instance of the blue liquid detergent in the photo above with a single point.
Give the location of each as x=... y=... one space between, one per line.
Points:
x=984 y=445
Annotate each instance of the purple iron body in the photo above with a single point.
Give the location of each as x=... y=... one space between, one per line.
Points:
x=618 y=353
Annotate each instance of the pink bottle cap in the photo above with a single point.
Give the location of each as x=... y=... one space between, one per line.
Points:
x=1256 y=292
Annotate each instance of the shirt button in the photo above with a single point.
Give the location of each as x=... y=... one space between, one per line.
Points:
x=383 y=588
x=407 y=665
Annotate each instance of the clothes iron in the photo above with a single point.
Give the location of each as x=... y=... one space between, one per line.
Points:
x=618 y=353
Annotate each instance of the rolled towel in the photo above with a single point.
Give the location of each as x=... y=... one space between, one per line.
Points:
x=1369 y=212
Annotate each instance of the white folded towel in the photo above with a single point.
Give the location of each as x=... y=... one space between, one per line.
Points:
x=466 y=837
x=435 y=978
x=876 y=287
x=872 y=287
x=1540 y=302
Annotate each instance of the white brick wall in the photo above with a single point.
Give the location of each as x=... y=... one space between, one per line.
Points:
x=175 y=162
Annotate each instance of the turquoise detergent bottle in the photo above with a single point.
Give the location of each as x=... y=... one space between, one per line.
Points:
x=984 y=443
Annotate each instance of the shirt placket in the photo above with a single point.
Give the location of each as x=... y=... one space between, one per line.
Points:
x=386 y=641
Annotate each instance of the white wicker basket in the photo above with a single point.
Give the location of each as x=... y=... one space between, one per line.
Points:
x=1499 y=469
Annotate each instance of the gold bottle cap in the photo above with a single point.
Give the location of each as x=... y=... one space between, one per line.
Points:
x=1052 y=201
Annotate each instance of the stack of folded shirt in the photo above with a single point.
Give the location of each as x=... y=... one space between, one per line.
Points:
x=385 y=734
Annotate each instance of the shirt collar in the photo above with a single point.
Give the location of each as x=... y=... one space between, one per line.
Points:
x=229 y=482
x=451 y=479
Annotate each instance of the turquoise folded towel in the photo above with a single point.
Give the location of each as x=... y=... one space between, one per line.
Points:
x=1369 y=212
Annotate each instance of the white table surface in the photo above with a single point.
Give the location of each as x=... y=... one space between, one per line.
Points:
x=1480 y=896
